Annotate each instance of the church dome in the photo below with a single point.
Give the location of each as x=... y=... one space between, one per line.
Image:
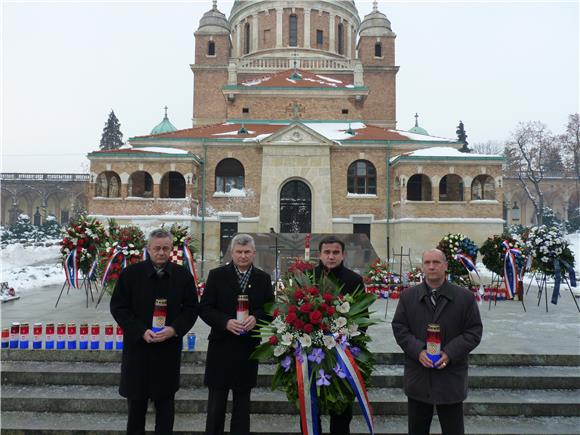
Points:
x=348 y=5
x=417 y=129
x=164 y=126
x=213 y=21
x=375 y=24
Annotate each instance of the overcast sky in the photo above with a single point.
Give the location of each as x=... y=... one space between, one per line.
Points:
x=65 y=65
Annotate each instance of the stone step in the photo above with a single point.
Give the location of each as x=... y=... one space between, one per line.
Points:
x=107 y=373
x=381 y=358
x=30 y=423
x=385 y=401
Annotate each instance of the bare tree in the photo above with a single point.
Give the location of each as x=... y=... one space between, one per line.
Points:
x=571 y=143
x=490 y=147
x=528 y=146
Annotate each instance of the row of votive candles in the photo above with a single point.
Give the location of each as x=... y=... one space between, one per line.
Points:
x=63 y=336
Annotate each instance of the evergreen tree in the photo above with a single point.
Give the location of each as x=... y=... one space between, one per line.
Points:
x=462 y=137
x=51 y=228
x=22 y=229
x=112 y=137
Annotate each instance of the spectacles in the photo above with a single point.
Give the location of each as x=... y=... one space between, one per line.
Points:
x=165 y=249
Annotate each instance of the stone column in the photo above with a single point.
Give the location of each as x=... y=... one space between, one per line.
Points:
x=331 y=33
x=279 y=32
x=306 y=28
x=255 y=35
x=238 y=40
x=348 y=40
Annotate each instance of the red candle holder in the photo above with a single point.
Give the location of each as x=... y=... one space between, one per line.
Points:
x=434 y=342
x=243 y=310
x=159 y=315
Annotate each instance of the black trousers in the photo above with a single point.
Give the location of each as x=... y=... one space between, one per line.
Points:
x=164 y=416
x=216 y=412
x=339 y=423
x=421 y=414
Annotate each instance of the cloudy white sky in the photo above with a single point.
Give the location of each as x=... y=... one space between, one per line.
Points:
x=66 y=64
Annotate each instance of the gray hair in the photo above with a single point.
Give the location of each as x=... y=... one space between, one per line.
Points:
x=159 y=233
x=243 y=240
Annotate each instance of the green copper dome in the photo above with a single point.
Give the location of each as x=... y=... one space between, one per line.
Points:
x=417 y=129
x=164 y=126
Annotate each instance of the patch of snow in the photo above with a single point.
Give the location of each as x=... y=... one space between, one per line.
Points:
x=574 y=245
x=25 y=268
x=360 y=195
x=320 y=82
x=328 y=79
x=232 y=133
x=484 y=201
x=162 y=150
x=258 y=138
x=233 y=193
x=335 y=130
x=349 y=86
x=126 y=147
x=256 y=82
x=290 y=80
x=442 y=152
x=423 y=137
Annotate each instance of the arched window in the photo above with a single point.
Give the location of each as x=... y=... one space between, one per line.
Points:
x=246 y=38
x=483 y=187
x=419 y=188
x=378 y=50
x=340 y=39
x=451 y=188
x=172 y=185
x=108 y=185
x=140 y=184
x=293 y=31
x=229 y=174
x=362 y=178
x=211 y=48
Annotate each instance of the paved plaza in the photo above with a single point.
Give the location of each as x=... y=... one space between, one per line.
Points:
x=507 y=328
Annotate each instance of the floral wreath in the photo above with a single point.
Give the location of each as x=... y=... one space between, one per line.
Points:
x=493 y=253
x=85 y=235
x=452 y=245
x=547 y=245
x=314 y=324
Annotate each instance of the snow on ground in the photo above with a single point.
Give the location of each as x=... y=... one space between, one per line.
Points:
x=25 y=268
x=574 y=240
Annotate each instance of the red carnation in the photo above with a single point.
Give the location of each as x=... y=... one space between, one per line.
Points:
x=273 y=340
x=323 y=307
x=292 y=309
x=276 y=313
x=299 y=295
x=330 y=311
x=291 y=317
x=81 y=242
x=308 y=328
x=313 y=291
x=327 y=297
x=306 y=307
x=316 y=317
x=324 y=327
x=298 y=324
x=114 y=275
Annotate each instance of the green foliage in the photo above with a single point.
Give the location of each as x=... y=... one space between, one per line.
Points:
x=112 y=138
x=51 y=228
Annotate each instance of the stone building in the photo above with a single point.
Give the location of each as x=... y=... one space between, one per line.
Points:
x=294 y=130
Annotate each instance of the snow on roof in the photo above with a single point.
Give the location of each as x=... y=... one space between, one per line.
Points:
x=307 y=79
x=328 y=79
x=442 y=152
x=232 y=133
x=161 y=150
x=423 y=137
x=335 y=130
x=256 y=82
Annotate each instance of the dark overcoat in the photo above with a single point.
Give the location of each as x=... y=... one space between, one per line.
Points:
x=228 y=362
x=349 y=280
x=458 y=315
x=151 y=370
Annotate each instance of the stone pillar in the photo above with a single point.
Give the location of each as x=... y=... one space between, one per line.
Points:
x=348 y=40
x=306 y=28
x=255 y=34
x=156 y=190
x=124 y=191
x=238 y=50
x=331 y=33
x=279 y=31
x=232 y=73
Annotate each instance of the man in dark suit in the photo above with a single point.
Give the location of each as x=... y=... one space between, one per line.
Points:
x=331 y=264
x=228 y=365
x=442 y=384
x=151 y=360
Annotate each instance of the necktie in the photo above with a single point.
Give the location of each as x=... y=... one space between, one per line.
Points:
x=433 y=297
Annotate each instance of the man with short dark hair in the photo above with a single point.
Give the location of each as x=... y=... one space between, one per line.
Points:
x=331 y=264
x=152 y=356
x=231 y=341
x=442 y=384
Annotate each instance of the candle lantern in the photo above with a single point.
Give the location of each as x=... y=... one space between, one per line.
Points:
x=434 y=342
x=243 y=310
x=159 y=315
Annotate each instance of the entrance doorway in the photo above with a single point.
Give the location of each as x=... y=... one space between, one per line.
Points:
x=295 y=208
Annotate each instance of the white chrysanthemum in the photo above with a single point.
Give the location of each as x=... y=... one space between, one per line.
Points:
x=340 y=322
x=353 y=330
x=343 y=308
x=280 y=350
x=305 y=340
x=286 y=339
x=329 y=341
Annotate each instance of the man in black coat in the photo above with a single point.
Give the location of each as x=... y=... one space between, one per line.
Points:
x=151 y=360
x=228 y=365
x=331 y=250
x=442 y=384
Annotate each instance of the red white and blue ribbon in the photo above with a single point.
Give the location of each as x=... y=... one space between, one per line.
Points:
x=71 y=269
x=558 y=263
x=511 y=276
x=118 y=251
x=306 y=397
x=145 y=254
x=93 y=269
x=470 y=267
x=353 y=376
x=189 y=262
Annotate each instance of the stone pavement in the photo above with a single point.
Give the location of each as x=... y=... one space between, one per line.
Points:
x=507 y=328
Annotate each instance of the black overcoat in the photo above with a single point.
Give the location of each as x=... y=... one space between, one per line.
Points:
x=349 y=280
x=228 y=362
x=151 y=370
x=458 y=315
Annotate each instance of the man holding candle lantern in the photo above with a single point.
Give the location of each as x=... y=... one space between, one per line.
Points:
x=437 y=324
x=155 y=302
x=232 y=302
